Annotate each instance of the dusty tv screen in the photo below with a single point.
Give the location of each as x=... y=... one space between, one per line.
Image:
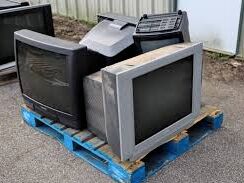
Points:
x=162 y=97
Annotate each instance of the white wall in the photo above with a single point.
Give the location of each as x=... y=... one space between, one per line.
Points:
x=215 y=23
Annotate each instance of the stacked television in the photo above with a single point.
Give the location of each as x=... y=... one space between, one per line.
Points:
x=133 y=101
x=37 y=18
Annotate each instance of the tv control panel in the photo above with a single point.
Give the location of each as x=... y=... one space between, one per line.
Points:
x=159 y=23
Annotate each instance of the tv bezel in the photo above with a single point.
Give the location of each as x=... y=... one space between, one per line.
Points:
x=158 y=37
x=118 y=95
x=47 y=14
x=73 y=52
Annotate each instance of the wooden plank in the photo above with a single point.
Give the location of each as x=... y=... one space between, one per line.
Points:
x=206 y=111
x=71 y=132
x=96 y=142
x=83 y=135
x=58 y=126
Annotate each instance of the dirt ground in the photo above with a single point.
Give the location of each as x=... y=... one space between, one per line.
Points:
x=29 y=156
x=70 y=29
x=222 y=68
x=216 y=66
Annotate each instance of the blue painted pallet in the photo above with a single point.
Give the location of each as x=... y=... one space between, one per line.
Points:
x=96 y=152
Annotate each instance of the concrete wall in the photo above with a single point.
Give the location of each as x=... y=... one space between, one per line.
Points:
x=215 y=23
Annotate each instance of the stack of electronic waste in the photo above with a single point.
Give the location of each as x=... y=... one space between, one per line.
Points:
x=135 y=83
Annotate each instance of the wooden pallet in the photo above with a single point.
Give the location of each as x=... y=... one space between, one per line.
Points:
x=96 y=152
x=8 y=74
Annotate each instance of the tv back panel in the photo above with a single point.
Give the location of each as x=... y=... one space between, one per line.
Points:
x=158 y=30
x=36 y=18
x=147 y=99
x=94 y=104
x=111 y=40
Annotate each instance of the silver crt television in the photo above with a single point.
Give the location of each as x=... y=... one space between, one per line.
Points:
x=143 y=102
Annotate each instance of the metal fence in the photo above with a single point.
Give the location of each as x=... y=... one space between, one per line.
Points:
x=88 y=9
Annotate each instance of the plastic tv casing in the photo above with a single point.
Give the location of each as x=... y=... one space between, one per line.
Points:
x=150 y=40
x=77 y=66
x=109 y=99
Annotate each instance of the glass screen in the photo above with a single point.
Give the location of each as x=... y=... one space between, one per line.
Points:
x=14 y=21
x=150 y=45
x=43 y=76
x=162 y=97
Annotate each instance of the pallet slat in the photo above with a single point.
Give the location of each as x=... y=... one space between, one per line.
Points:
x=71 y=132
x=96 y=152
x=83 y=136
x=96 y=143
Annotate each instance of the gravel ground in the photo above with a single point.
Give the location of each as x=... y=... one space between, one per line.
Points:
x=28 y=156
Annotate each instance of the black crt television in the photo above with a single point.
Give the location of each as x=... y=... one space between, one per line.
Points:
x=6 y=4
x=36 y=18
x=50 y=72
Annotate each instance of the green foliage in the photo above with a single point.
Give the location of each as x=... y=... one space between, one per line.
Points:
x=218 y=56
x=88 y=24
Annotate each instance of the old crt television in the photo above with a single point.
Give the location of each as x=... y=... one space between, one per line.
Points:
x=111 y=40
x=158 y=30
x=37 y=18
x=6 y=4
x=50 y=73
x=141 y=103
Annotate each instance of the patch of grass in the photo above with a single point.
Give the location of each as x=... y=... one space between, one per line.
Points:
x=218 y=56
x=87 y=23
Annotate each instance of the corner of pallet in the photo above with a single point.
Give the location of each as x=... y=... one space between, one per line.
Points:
x=179 y=144
x=215 y=119
x=28 y=117
x=134 y=174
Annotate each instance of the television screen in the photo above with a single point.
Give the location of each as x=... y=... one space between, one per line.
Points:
x=35 y=18
x=150 y=45
x=48 y=72
x=168 y=88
